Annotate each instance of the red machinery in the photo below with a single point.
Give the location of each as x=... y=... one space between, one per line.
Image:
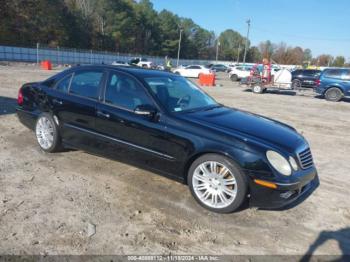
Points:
x=261 y=78
x=265 y=75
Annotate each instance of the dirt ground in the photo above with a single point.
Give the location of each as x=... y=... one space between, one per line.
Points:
x=50 y=202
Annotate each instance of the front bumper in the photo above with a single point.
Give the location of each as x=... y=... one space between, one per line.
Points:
x=285 y=195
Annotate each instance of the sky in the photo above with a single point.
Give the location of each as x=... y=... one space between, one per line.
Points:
x=321 y=25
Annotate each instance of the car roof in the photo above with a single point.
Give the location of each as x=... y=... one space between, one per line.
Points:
x=306 y=70
x=135 y=71
x=336 y=68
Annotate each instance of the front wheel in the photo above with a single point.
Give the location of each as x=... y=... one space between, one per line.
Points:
x=47 y=134
x=217 y=183
x=334 y=94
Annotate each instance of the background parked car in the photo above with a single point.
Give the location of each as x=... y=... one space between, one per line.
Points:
x=334 y=84
x=239 y=72
x=193 y=71
x=305 y=77
x=141 y=62
x=231 y=66
x=219 y=68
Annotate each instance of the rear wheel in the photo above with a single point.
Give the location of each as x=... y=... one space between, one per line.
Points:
x=234 y=78
x=334 y=94
x=47 y=134
x=217 y=183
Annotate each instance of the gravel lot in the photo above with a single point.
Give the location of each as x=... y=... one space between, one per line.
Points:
x=50 y=202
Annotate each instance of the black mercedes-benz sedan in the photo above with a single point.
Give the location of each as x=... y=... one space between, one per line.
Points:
x=164 y=123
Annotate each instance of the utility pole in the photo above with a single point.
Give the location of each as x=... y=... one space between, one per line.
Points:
x=217 y=50
x=246 y=42
x=179 y=48
x=239 y=50
x=37 y=53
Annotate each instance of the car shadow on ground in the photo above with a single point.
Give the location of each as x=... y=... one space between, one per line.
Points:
x=345 y=99
x=276 y=92
x=342 y=236
x=7 y=105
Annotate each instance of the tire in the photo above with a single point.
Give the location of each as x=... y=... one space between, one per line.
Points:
x=212 y=183
x=334 y=94
x=177 y=73
x=46 y=122
x=296 y=84
x=257 y=89
x=234 y=78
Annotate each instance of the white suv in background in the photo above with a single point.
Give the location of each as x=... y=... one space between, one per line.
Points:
x=239 y=72
x=141 y=62
x=192 y=71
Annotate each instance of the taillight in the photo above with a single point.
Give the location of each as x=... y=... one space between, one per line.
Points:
x=20 y=97
x=318 y=82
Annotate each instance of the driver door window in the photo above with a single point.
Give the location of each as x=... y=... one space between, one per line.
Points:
x=125 y=92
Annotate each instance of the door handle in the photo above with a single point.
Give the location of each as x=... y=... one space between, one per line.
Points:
x=57 y=101
x=100 y=113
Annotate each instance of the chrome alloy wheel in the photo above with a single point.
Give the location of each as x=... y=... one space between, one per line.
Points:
x=44 y=132
x=214 y=184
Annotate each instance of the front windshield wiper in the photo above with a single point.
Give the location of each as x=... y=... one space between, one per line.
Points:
x=212 y=107
x=205 y=108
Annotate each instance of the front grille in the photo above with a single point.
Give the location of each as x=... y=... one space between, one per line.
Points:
x=305 y=159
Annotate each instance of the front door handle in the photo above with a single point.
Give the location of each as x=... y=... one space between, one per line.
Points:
x=100 y=113
x=56 y=101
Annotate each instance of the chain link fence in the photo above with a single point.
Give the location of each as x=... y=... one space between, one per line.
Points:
x=78 y=56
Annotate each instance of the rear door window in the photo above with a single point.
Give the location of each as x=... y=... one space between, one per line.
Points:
x=63 y=84
x=346 y=74
x=86 y=83
x=308 y=72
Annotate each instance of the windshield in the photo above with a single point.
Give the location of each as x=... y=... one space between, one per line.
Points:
x=178 y=94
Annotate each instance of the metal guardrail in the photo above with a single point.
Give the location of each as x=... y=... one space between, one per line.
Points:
x=76 y=56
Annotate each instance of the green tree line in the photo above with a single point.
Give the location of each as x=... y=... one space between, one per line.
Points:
x=130 y=26
x=125 y=26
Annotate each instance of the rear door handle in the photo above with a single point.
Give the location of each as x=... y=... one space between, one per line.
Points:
x=100 y=113
x=57 y=101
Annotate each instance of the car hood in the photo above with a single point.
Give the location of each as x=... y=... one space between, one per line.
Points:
x=249 y=126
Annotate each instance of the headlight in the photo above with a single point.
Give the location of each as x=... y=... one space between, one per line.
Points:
x=293 y=163
x=279 y=163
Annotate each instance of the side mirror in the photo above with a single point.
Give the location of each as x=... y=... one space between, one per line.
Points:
x=145 y=110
